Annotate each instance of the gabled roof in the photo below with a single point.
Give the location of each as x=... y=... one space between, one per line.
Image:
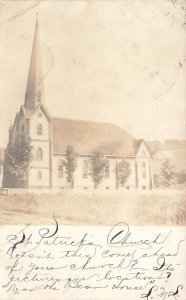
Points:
x=87 y=137
x=44 y=110
x=29 y=112
x=137 y=145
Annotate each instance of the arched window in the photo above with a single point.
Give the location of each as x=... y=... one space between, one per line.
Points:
x=107 y=169
x=144 y=174
x=22 y=128
x=39 y=129
x=85 y=169
x=60 y=169
x=39 y=154
x=39 y=175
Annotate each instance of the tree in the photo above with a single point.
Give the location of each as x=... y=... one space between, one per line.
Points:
x=70 y=164
x=168 y=173
x=181 y=176
x=97 y=164
x=157 y=180
x=123 y=172
x=17 y=162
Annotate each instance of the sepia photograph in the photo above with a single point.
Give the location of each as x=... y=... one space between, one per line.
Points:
x=92 y=113
x=92 y=149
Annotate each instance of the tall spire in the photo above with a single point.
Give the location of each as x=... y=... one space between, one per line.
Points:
x=35 y=89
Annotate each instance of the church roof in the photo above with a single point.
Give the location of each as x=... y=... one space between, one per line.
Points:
x=138 y=143
x=87 y=137
x=29 y=112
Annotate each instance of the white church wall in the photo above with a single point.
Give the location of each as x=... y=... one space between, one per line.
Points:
x=38 y=118
x=44 y=146
x=38 y=177
x=143 y=172
x=142 y=151
x=86 y=182
x=39 y=166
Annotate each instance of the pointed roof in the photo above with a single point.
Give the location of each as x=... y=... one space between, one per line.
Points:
x=137 y=145
x=35 y=89
x=30 y=113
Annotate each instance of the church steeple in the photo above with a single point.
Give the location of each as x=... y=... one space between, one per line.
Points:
x=35 y=89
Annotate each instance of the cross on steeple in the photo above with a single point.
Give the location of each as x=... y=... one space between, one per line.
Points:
x=35 y=88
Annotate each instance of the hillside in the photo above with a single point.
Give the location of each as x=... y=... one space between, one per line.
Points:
x=174 y=150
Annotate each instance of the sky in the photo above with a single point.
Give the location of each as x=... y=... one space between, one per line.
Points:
x=120 y=62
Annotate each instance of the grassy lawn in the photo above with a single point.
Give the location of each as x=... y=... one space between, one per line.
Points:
x=95 y=208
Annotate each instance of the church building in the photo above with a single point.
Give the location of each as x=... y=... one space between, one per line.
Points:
x=50 y=137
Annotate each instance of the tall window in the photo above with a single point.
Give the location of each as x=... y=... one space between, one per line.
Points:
x=39 y=154
x=107 y=169
x=22 y=128
x=144 y=174
x=39 y=129
x=85 y=169
x=60 y=169
x=39 y=175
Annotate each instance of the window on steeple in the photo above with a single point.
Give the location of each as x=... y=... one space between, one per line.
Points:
x=39 y=129
x=39 y=154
